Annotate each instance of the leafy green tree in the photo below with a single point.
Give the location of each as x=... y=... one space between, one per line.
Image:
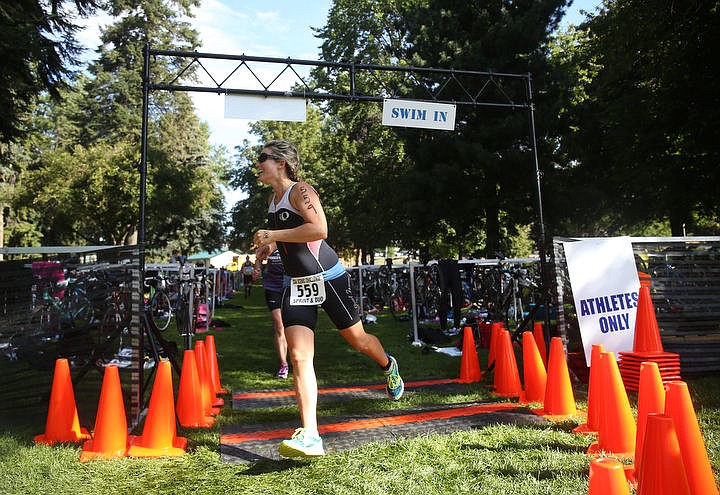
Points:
x=367 y=157
x=99 y=127
x=38 y=50
x=81 y=195
x=484 y=171
x=452 y=188
x=646 y=130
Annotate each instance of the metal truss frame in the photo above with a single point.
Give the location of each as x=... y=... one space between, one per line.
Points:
x=488 y=89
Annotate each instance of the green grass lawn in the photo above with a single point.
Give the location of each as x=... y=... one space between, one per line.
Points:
x=491 y=460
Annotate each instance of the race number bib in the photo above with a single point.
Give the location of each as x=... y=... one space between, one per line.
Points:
x=307 y=291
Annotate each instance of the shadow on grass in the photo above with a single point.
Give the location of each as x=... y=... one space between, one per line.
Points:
x=270 y=466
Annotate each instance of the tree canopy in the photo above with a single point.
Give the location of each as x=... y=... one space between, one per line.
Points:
x=81 y=182
x=626 y=127
x=38 y=50
x=645 y=132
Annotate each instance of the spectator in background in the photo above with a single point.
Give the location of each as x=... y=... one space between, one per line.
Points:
x=247 y=271
x=176 y=257
x=451 y=295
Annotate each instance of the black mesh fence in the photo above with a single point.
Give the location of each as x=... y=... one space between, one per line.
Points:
x=77 y=303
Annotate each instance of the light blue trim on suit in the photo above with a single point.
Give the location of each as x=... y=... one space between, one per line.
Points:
x=336 y=271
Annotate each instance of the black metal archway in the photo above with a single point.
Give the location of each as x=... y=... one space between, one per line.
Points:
x=489 y=89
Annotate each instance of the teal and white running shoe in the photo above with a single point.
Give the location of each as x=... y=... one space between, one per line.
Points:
x=395 y=386
x=302 y=445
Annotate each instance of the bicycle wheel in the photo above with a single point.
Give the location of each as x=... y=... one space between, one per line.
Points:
x=161 y=310
x=80 y=309
x=106 y=335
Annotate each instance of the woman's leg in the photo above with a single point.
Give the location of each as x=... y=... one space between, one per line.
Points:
x=280 y=341
x=366 y=343
x=301 y=347
x=371 y=346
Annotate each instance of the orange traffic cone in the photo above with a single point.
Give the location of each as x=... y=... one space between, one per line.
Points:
x=534 y=374
x=159 y=437
x=62 y=424
x=507 y=377
x=559 y=398
x=617 y=426
x=110 y=437
x=678 y=405
x=190 y=407
x=539 y=335
x=647 y=333
x=213 y=364
x=592 y=424
x=469 y=364
x=208 y=394
x=661 y=470
x=607 y=477
x=651 y=399
x=495 y=328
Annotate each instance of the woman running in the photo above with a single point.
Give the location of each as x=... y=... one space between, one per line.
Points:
x=314 y=277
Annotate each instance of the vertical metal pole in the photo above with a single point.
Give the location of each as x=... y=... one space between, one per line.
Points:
x=143 y=154
x=413 y=305
x=540 y=216
x=360 y=288
x=138 y=347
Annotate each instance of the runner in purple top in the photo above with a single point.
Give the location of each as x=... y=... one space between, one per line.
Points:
x=272 y=282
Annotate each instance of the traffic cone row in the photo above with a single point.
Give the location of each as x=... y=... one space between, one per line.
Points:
x=666 y=445
x=199 y=384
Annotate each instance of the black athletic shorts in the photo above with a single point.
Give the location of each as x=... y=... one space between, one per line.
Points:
x=273 y=299
x=339 y=305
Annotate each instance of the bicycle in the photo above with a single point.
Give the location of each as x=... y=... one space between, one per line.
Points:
x=427 y=291
x=400 y=301
x=160 y=304
x=60 y=316
x=193 y=290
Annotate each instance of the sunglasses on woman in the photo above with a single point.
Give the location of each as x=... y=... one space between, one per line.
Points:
x=264 y=156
